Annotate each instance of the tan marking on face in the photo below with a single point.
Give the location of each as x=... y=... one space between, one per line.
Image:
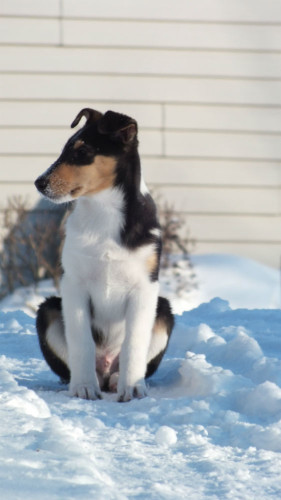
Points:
x=78 y=143
x=152 y=263
x=84 y=180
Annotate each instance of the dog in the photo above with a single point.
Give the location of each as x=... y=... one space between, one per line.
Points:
x=110 y=329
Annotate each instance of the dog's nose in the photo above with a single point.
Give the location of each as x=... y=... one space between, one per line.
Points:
x=41 y=183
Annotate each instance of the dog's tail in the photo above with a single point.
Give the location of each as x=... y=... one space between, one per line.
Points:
x=50 y=330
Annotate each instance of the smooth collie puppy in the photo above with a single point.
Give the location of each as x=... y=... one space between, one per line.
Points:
x=110 y=329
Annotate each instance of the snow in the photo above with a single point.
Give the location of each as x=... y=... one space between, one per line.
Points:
x=244 y=283
x=166 y=436
x=210 y=428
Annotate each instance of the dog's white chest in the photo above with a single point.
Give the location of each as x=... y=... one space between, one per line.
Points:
x=101 y=267
x=104 y=266
x=94 y=256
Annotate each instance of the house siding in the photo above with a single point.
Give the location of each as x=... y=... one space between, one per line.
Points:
x=202 y=78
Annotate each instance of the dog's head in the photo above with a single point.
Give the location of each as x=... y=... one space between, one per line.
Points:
x=89 y=160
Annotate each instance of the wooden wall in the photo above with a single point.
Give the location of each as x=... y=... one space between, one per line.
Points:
x=203 y=79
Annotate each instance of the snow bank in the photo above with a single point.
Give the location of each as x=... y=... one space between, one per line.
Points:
x=244 y=283
x=210 y=428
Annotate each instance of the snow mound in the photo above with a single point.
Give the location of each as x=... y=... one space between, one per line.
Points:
x=213 y=414
x=243 y=283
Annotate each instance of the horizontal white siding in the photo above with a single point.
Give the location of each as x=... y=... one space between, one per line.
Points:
x=237 y=11
x=28 y=113
x=202 y=10
x=140 y=88
x=161 y=35
x=235 y=201
x=157 y=35
x=39 y=8
x=203 y=80
x=172 y=62
x=223 y=145
x=189 y=36
x=29 y=31
x=262 y=119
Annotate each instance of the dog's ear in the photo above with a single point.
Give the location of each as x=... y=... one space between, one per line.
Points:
x=91 y=116
x=118 y=126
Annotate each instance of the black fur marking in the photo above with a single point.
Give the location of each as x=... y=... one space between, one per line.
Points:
x=164 y=313
x=90 y=114
x=140 y=219
x=158 y=248
x=97 y=334
x=51 y=305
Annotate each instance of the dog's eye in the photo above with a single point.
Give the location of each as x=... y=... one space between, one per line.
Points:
x=82 y=155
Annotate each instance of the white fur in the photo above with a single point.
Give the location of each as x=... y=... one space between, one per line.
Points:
x=157 y=344
x=56 y=340
x=156 y=232
x=143 y=187
x=116 y=280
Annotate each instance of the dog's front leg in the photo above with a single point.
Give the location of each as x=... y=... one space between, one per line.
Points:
x=140 y=316
x=80 y=345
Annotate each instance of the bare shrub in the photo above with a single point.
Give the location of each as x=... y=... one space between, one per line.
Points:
x=177 y=270
x=31 y=242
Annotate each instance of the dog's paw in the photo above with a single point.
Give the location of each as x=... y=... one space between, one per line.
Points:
x=135 y=391
x=85 y=391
